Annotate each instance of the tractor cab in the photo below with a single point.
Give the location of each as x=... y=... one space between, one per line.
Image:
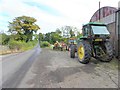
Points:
x=95 y=31
x=72 y=41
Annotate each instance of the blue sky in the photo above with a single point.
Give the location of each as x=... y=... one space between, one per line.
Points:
x=44 y=8
x=51 y=14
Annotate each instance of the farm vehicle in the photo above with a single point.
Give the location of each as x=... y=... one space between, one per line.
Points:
x=71 y=41
x=59 y=46
x=94 y=42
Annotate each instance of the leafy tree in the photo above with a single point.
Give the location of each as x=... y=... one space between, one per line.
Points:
x=5 y=39
x=72 y=33
x=66 y=31
x=58 y=31
x=41 y=37
x=23 y=27
x=47 y=37
x=79 y=34
x=55 y=37
x=52 y=37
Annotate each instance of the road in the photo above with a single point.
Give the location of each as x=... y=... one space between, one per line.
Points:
x=15 y=66
x=45 y=68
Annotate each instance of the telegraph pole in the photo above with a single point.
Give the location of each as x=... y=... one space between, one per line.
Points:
x=99 y=11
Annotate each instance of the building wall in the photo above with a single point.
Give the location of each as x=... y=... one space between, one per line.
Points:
x=117 y=39
x=111 y=28
x=103 y=13
x=108 y=19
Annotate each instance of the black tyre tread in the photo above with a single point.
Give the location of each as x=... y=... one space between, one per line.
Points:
x=61 y=49
x=87 y=51
x=72 y=51
x=109 y=51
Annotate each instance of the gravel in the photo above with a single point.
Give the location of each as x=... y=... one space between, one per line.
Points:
x=55 y=69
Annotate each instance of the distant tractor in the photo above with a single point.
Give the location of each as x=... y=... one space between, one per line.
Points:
x=57 y=46
x=94 y=43
x=71 y=41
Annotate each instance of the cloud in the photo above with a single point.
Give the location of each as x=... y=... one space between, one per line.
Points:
x=51 y=14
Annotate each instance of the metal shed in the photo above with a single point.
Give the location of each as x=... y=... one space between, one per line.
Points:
x=109 y=15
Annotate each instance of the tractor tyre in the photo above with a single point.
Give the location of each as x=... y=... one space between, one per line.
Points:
x=67 y=49
x=84 y=52
x=53 y=48
x=61 y=48
x=109 y=52
x=72 y=51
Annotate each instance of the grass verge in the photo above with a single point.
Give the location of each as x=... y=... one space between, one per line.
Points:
x=18 y=46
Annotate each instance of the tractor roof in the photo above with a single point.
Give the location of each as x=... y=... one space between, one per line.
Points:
x=94 y=23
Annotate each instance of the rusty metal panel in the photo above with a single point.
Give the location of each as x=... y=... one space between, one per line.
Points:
x=104 y=12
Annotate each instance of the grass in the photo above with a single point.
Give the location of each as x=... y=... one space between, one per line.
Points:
x=18 y=46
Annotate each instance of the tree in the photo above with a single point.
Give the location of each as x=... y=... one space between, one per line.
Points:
x=47 y=37
x=52 y=37
x=79 y=34
x=66 y=31
x=5 y=39
x=41 y=37
x=72 y=33
x=23 y=27
x=55 y=37
x=58 y=31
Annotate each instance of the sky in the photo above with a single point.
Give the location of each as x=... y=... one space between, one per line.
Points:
x=51 y=14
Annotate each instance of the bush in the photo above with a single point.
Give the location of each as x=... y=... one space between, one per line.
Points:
x=21 y=45
x=29 y=45
x=16 y=45
x=44 y=44
x=4 y=39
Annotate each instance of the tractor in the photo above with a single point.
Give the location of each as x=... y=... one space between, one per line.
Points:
x=57 y=46
x=94 y=42
x=71 y=41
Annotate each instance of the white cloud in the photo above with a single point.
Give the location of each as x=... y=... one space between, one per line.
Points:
x=73 y=12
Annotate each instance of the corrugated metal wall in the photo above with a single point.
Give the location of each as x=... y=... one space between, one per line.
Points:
x=109 y=17
x=117 y=33
x=111 y=28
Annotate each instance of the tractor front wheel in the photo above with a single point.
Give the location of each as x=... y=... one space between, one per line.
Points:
x=84 y=52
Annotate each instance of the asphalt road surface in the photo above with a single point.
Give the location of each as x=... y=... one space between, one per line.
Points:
x=45 y=68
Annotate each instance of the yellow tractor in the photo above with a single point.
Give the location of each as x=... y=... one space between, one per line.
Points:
x=57 y=46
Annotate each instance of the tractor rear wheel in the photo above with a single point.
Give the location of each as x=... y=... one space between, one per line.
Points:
x=72 y=51
x=108 y=49
x=84 y=52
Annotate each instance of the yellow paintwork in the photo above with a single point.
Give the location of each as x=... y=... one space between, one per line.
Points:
x=81 y=52
x=98 y=39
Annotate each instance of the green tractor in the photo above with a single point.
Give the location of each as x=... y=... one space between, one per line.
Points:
x=94 y=43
